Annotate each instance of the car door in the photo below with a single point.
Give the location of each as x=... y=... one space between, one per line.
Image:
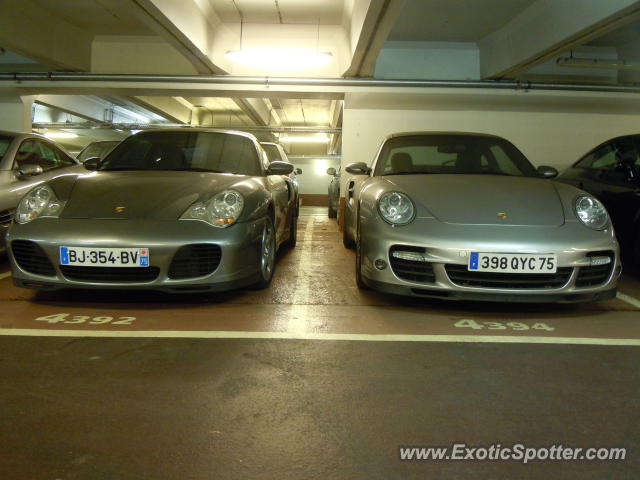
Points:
x=280 y=193
x=38 y=152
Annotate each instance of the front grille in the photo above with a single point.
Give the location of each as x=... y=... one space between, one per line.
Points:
x=411 y=270
x=460 y=275
x=6 y=216
x=31 y=258
x=195 y=260
x=110 y=274
x=597 y=274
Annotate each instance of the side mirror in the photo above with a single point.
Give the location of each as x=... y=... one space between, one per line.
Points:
x=331 y=171
x=29 y=171
x=358 y=168
x=92 y=163
x=547 y=172
x=279 y=168
x=298 y=171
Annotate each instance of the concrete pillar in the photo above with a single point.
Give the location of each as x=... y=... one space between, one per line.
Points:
x=15 y=112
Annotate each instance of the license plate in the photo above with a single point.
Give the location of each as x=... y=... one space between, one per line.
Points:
x=512 y=263
x=107 y=257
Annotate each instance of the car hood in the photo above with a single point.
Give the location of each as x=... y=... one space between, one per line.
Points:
x=162 y=195
x=479 y=199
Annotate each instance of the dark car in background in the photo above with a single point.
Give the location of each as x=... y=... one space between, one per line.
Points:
x=97 y=149
x=611 y=173
x=334 y=192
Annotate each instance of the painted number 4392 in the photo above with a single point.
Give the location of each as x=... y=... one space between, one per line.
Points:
x=466 y=323
x=86 y=319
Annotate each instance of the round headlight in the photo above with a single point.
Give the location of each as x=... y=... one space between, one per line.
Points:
x=591 y=212
x=222 y=210
x=39 y=202
x=396 y=208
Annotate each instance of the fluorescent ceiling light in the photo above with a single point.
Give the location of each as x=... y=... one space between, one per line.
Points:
x=323 y=139
x=54 y=135
x=279 y=58
x=596 y=63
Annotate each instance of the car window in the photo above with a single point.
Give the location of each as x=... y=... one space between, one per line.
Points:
x=603 y=157
x=4 y=144
x=272 y=152
x=96 y=149
x=452 y=154
x=201 y=151
x=36 y=152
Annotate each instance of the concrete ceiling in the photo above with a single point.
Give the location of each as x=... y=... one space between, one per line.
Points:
x=453 y=21
x=327 y=12
x=98 y=17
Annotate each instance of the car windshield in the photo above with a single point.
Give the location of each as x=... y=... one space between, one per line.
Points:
x=452 y=154
x=5 y=141
x=273 y=154
x=196 y=151
x=96 y=149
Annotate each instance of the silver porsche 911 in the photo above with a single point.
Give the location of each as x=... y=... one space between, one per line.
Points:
x=173 y=210
x=466 y=216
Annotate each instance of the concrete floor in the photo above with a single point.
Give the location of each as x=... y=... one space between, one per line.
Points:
x=322 y=381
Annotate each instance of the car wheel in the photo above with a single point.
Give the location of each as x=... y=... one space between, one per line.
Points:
x=359 y=281
x=293 y=230
x=267 y=257
x=332 y=212
x=347 y=241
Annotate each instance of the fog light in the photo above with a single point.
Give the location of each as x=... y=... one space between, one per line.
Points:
x=600 y=261
x=380 y=264
x=411 y=256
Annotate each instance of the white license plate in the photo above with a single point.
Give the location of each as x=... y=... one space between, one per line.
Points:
x=105 y=257
x=512 y=262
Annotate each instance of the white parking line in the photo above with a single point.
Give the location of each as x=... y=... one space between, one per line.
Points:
x=5 y=275
x=630 y=300
x=320 y=336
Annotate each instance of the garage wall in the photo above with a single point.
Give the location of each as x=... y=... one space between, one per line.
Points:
x=553 y=128
x=314 y=178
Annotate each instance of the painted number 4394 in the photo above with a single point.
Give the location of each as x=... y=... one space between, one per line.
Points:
x=86 y=319
x=466 y=323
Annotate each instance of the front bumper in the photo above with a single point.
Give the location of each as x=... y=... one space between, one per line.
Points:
x=446 y=246
x=238 y=266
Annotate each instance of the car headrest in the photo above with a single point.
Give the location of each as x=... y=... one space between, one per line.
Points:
x=401 y=162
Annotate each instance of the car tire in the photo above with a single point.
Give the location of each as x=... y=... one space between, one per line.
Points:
x=293 y=230
x=359 y=281
x=267 y=255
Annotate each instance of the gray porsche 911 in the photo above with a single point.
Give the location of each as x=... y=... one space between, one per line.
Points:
x=182 y=210
x=466 y=216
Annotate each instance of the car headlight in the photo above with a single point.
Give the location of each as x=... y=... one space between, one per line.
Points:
x=396 y=208
x=39 y=202
x=221 y=210
x=591 y=212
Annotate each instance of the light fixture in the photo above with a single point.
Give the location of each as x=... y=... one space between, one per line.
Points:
x=596 y=63
x=279 y=58
x=318 y=139
x=55 y=135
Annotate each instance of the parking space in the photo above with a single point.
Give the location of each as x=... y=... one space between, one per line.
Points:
x=313 y=295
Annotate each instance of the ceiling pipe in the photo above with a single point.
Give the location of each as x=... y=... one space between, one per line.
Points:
x=143 y=126
x=315 y=82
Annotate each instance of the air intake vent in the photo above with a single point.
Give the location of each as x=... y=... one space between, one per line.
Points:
x=196 y=260
x=110 y=274
x=31 y=258
x=460 y=275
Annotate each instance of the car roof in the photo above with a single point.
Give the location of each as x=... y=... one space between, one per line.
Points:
x=469 y=134
x=202 y=129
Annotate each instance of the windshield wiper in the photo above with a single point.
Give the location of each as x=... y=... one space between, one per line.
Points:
x=410 y=173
